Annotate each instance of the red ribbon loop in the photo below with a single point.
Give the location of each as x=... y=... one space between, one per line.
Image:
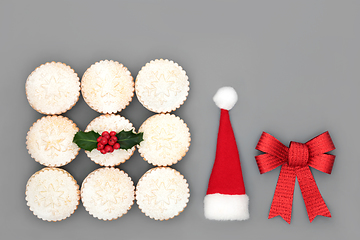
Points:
x=295 y=162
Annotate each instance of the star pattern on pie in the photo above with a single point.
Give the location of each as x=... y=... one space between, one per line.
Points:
x=54 y=141
x=163 y=139
x=161 y=194
x=162 y=86
x=107 y=86
x=53 y=89
x=51 y=196
x=104 y=89
x=109 y=195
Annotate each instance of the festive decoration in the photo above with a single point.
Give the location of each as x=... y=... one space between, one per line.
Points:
x=107 y=142
x=91 y=140
x=295 y=162
x=225 y=198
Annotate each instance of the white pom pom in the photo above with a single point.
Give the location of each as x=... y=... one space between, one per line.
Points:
x=225 y=98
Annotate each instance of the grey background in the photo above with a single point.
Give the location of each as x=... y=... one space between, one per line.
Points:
x=294 y=64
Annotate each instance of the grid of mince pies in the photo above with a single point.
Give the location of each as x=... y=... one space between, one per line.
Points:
x=107 y=193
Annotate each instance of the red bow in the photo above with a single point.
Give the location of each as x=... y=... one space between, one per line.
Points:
x=295 y=162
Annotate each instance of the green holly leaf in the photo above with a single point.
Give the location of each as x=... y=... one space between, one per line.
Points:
x=128 y=139
x=86 y=140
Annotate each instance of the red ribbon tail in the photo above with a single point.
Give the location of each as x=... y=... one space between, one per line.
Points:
x=314 y=203
x=283 y=196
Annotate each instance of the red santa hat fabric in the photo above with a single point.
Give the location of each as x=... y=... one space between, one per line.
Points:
x=226 y=198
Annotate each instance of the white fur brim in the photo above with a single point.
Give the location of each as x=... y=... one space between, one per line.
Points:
x=226 y=207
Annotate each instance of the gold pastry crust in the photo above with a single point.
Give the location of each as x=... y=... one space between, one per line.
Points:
x=52 y=88
x=166 y=139
x=49 y=141
x=102 y=193
x=110 y=122
x=162 y=193
x=107 y=86
x=47 y=195
x=162 y=86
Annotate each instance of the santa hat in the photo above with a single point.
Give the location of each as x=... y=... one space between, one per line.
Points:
x=225 y=198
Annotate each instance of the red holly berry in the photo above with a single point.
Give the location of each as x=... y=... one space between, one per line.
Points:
x=112 y=140
x=103 y=141
x=98 y=139
x=105 y=134
x=100 y=146
x=112 y=133
x=103 y=151
x=116 y=145
x=108 y=148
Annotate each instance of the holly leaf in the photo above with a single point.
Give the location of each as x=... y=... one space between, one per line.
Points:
x=128 y=139
x=86 y=140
